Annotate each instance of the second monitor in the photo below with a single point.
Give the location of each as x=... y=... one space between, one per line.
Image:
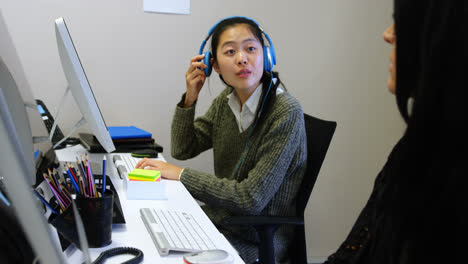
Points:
x=80 y=87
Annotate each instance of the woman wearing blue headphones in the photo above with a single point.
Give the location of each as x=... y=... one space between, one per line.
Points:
x=256 y=130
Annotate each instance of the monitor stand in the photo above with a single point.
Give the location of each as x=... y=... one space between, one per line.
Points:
x=78 y=124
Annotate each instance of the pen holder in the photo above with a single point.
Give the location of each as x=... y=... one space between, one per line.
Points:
x=96 y=215
x=118 y=216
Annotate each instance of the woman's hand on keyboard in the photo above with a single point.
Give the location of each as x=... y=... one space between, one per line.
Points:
x=168 y=171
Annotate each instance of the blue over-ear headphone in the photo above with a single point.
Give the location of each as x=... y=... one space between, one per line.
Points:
x=269 y=56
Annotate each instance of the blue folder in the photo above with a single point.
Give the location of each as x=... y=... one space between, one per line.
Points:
x=122 y=132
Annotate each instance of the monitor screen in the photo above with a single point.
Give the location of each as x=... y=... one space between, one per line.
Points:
x=28 y=122
x=40 y=109
x=19 y=119
x=80 y=87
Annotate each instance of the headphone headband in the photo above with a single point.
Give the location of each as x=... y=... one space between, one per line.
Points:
x=230 y=17
x=269 y=54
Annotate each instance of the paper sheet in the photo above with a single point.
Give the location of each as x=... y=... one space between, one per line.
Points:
x=167 y=6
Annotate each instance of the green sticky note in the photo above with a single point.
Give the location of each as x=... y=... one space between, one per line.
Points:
x=149 y=174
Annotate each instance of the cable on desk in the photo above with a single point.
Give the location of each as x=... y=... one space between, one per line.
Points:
x=121 y=251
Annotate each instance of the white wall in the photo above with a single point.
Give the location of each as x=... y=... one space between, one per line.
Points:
x=331 y=57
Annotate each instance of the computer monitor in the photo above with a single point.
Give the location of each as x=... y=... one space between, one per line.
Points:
x=18 y=116
x=80 y=87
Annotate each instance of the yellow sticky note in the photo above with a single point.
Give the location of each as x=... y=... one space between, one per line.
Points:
x=152 y=175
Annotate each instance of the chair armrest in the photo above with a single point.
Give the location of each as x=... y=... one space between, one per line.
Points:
x=261 y=220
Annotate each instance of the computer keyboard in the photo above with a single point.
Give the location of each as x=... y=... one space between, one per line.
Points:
x=58 y=135
x=175 y=231
x=125 y=163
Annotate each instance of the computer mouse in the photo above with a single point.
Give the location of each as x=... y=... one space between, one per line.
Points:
x=216 y=256
x=145 y=153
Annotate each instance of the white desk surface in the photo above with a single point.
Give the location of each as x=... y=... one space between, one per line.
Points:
x=134 y=233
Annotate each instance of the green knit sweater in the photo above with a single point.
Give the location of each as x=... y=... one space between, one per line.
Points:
x=268 y=177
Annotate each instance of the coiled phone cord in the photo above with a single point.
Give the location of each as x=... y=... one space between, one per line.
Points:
x=121 y=251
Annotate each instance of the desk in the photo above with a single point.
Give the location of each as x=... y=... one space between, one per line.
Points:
x=134 y=233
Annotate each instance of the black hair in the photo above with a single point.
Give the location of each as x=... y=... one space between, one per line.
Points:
x=267 y=77
x=424 y=203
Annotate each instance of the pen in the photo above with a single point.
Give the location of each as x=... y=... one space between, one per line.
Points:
x=60 y=202
x=64 y=193
x=55 y=189
x=104 y=161
x=65 y=189
x=88 y=173
x=44 y=202
x=57 y=196
x=73 y=181
x=91 y=186
x=86 y=164
x=56 y=175
x=77 y=172
x=80 y=167
x=71 y=172
x=4 y=199
x=80 y=182
x=74 y=172
x=51 y=178
x=85 y=168
x=54 y=178
x=88 y=180
x=82 y=186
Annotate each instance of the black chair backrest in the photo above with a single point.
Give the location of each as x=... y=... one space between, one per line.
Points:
x=319 y=134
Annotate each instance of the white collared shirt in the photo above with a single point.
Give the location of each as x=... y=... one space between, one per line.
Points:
x=246 y=117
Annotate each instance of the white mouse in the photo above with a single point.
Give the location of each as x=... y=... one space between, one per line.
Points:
x=216 y=256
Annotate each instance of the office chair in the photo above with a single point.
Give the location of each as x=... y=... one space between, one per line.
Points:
x=319 y=134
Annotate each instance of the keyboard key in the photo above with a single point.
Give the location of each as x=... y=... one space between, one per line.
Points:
x=125 y=163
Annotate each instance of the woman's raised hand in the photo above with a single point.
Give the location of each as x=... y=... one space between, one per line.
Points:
x=194 y=78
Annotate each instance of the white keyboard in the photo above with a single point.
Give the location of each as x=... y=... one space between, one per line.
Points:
x=175 y=231
x=125 y=163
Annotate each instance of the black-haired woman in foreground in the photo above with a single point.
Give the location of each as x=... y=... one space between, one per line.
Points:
x=417 y=210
